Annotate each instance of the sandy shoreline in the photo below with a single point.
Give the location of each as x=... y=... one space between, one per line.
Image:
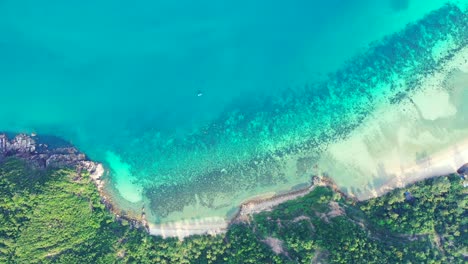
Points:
x=218 y=225
x=423 y=137
x=182 y=229
x=442 y=164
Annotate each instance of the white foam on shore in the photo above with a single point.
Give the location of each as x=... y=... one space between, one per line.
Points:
x=124 y=181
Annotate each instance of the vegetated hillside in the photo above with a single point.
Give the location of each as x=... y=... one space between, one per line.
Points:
x=56 y=216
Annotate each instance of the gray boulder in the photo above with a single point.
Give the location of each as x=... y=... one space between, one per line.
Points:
x=20 y=144
x=3 y=144
x=463 y=170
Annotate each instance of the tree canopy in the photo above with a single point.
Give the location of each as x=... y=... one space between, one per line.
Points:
x=56 y=216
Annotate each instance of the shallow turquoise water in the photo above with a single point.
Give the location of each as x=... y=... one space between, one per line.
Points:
x=121 y=79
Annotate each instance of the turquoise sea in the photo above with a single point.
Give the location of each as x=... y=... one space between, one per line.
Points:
x=191 y=103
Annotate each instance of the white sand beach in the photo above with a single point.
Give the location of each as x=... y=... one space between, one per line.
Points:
x=424 y=136
x=181 y=229
x=441 y=163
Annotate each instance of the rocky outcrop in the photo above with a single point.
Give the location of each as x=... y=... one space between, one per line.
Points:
x=41 y=156
x=463 y=170
x=21 y=144
x=64 y=160
x=3 y=142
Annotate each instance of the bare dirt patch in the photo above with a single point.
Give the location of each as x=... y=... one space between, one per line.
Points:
x=275 y=244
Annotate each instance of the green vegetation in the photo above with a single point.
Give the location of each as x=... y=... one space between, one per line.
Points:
x=57 y=217
x=436 y=208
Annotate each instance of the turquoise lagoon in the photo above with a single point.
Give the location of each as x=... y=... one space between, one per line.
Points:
x=279 y=82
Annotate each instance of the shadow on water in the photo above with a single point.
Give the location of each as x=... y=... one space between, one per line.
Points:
x=399 y=5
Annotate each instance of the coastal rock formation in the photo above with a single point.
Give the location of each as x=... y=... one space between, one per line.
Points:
x=3 y=142
x=21 y=144
x=39 y=154
x=64 y=160
x=463 y=170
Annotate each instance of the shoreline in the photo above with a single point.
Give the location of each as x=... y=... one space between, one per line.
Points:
x=445 y=162
x=219 y=225
x=37 y=153
x=420 y=139
x=213 y=225
x=448 y=161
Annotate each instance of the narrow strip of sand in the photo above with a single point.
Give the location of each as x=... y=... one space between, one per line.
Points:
x=217 y=225
x=181 y=229
x=444 y=162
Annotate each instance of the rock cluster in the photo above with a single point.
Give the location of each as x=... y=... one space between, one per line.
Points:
x=463 y=170
x=41 y=156
x=21 y=144
x=3 y=144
